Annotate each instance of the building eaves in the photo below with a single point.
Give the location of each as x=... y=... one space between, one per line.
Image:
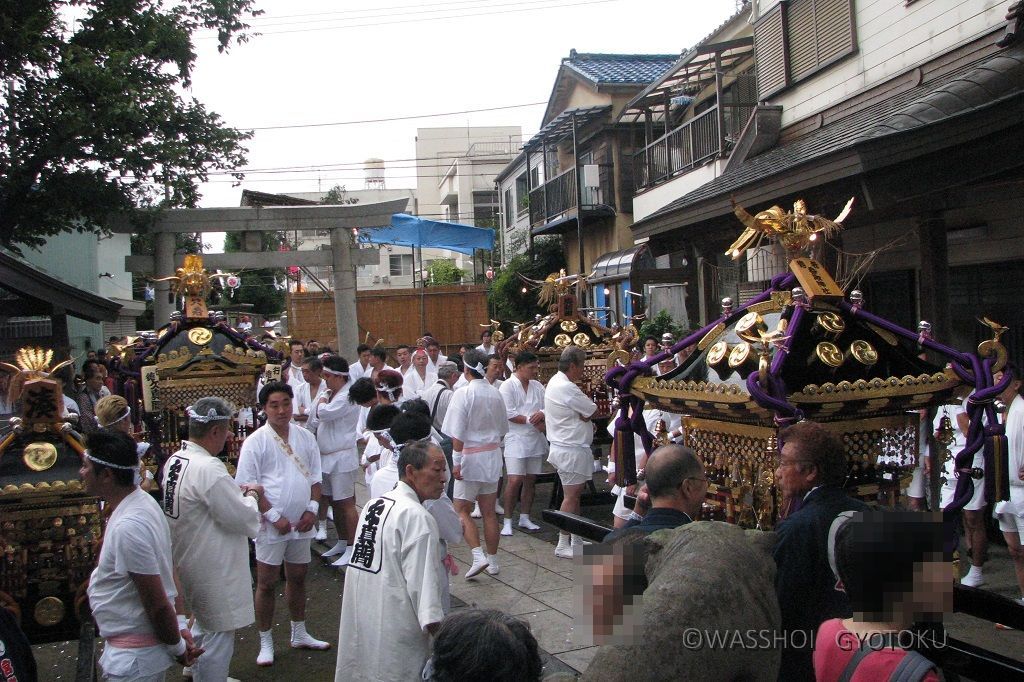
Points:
x=955 y=94
x=30 y=281
x=611 y=69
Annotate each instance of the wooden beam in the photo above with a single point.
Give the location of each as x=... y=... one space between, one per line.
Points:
x=245 y=260
x=267 y=219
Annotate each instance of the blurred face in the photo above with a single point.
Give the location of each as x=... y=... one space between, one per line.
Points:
x=334 y=382
x=429 y=481
x=313 y=347
x=1012 y=389
x=650 y=347
x=403 y=356
x=933 y=590
x=310 y=376
x=89 y=480
x=278 y=409
x=297 y=353
x=485 y=339
x=376 y=362
x=528 y=371
x=419 y=360
x=794 y=475
x=364 y=358
x=493 y=372
x=433 y=351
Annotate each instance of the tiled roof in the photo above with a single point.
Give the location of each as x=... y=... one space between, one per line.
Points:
x=631 y=69
x=956 y=93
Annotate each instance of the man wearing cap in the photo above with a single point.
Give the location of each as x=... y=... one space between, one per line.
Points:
x=336 y=432
x=210 y=519
x=567 y=414
x=476 y=422
x=131 y=590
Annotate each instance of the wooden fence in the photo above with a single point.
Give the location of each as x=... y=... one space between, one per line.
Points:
x=452 y=314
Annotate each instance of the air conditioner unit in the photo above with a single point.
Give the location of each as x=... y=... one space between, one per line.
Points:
x=385 y=280
x=376 y=279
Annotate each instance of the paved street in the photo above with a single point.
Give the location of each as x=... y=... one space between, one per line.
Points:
x=533 y=584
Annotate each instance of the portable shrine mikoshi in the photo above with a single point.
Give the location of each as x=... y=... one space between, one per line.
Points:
x=197 y=354
x=50 y=527
x=806 y=349
x=567 y=325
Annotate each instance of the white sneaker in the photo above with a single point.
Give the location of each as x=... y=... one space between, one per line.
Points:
x=321 y=534
x=266 y=656
x=338 y=548
x=479 y=564
x=304 y=640
x=506 y=528
x=972 y=581
x=476 y=511
x=527 y=524
x=342 y=561
x=564 y=548
x=498 y=509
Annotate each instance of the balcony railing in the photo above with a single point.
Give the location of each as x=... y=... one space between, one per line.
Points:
x=559 y=195
x=688 y=146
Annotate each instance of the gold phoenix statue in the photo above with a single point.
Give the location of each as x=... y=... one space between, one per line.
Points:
x=32 y=363
x=192 y=279
x=795 y=230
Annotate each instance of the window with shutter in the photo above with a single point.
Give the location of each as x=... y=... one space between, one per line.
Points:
x=770 y=52
x=797 y=38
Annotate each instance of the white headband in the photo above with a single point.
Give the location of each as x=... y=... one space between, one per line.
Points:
x=127 y=411
x=210 y=416
x=384 y=388
x=478 y=368
x=334 y=373
x=105 y=463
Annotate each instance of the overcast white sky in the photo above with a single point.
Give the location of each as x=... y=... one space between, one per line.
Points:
x=322 y=61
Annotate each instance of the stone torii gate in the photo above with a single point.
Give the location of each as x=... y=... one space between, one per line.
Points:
x=344 y=255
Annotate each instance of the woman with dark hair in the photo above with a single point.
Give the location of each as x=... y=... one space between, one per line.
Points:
x=484 y=644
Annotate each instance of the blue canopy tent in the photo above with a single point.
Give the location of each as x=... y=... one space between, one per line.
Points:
x=407 y=230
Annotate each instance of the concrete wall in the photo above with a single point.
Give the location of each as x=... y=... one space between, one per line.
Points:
x=661 y=195
x=891 y=38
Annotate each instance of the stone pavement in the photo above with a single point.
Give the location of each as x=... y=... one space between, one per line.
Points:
x=533 y=585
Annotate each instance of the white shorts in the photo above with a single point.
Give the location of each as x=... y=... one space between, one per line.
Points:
x=523 y=466
x=620 y=509
x=977 y=499
x=573 y=478
x=339 y=485
x=470 y=490
x=1011 y=523
x=292 y=551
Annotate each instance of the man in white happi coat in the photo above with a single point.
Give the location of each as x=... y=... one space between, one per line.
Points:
x=131 y=590
x=210 y=519
x=525 y=444
x=434 y=354
x=284 y=459
x=486 y=347
x=419 y=377
x=361 y=367
x=336 y=434
x=392 y=599
x=308 y=394
x=1010 y=513
x=292 y=373
x=567 y=412
x=476 y=423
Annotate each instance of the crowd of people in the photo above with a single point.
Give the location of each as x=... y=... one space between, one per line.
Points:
x=440 y=442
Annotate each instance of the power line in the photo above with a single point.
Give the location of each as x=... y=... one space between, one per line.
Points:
x=273 y=23
x=424 y=19
x=367 y=9
x=397 y=118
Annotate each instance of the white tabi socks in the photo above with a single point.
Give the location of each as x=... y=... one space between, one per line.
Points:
x=339 y=548
x=564 y=548
x=266 y=655
x=479 y=562
x=303 y=640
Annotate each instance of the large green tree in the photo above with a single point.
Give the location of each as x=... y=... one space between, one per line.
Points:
x=92 y=119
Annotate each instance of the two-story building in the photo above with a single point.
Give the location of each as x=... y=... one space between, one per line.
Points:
x=913 y=107
x=573 y=177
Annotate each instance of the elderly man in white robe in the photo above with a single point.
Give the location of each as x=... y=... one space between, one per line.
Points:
x=336 y=433
x=210 y=518
x=392 y=599
x=525 y=444
x=419 y=377
x=567 y=413
x=476 y=422
x=284 y=459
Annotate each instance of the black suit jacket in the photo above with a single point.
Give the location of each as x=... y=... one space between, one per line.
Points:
x=804 y=581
